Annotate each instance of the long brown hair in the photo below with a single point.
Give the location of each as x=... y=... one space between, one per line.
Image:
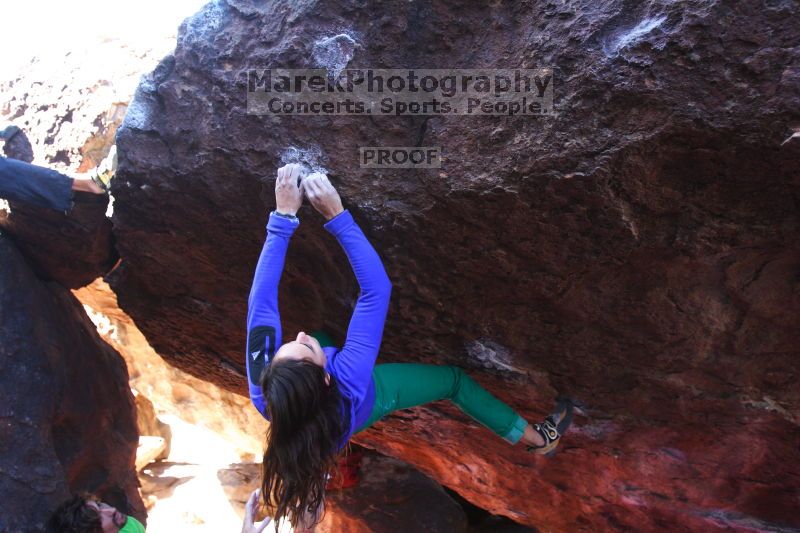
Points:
x=75 y=516
x=307 y=425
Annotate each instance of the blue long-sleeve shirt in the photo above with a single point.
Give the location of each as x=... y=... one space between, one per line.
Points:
x=352 y=364
x=34 y=185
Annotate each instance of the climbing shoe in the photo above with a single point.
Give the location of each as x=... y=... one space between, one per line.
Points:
x=105 y=171
x=553 y=427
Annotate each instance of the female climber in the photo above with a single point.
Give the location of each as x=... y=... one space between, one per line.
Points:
x=317 y=396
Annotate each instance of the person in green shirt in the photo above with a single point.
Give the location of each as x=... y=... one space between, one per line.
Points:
x=85 y=513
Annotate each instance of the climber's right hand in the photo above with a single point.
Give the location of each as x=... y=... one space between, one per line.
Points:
x=322 y=195
x=289 y=189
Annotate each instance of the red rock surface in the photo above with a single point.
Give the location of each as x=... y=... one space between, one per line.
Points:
x=637 y=251
x=391 y=496
x=67 y=419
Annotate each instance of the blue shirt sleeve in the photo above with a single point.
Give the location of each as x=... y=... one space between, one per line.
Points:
x=263 y=319
x=353 y=364
x=35 y=185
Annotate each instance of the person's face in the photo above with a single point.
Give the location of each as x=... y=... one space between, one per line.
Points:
x=303 y=347
x=111 y=520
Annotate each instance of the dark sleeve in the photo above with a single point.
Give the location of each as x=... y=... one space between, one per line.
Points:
x=34 y=185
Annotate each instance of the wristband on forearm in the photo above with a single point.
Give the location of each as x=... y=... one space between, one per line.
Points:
x=284 y=215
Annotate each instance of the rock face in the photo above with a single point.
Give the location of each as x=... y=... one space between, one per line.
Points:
x=638 y=250
x=391 y=496
x=148 y=423
x=68 y=417
x=71 y=248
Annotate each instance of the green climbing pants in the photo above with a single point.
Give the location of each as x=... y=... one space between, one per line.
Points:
x=405 y=385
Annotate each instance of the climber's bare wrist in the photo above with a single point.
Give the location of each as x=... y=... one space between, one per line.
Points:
x=333 y=213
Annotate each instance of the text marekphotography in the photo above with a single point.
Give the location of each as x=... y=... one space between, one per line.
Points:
x=400 y=92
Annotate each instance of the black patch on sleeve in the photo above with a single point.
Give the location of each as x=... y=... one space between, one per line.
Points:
x=260 y=349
